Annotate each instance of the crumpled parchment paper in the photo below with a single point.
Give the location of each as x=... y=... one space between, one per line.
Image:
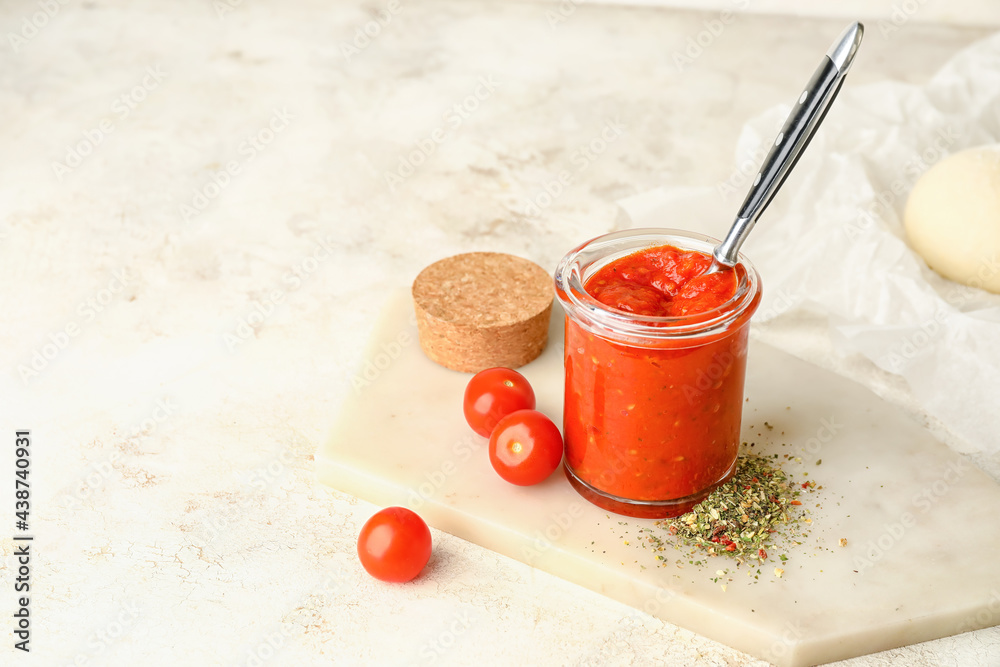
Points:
x=832 y=242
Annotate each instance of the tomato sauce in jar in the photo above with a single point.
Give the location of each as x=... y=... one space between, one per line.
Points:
x=655 y=362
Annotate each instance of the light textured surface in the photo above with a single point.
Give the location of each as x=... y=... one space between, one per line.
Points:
x=882 y=14
x=903 y=504
x=177 y=515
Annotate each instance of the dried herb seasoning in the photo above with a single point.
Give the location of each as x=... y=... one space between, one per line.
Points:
x=739 y=518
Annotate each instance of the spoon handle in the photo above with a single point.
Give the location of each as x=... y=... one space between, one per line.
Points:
x=799 y=128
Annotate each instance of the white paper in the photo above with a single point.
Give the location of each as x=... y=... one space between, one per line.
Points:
x=833 y=242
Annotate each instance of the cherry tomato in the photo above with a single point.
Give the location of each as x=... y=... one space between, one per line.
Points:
x=525 y=447
x=394 y=545
x=493 y=394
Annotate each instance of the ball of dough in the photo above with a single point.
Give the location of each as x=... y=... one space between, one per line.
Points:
x=952 y=217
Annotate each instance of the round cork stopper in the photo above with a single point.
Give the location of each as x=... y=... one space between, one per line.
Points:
x=479 y=310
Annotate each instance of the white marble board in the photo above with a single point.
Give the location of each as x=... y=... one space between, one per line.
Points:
x=917 y=518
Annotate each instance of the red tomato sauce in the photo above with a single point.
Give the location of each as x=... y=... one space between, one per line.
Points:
x=655 y=423
x=662 y=282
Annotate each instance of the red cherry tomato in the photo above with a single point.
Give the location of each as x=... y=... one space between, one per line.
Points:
x=525 y=447
x=493 y=394
x=394 y=545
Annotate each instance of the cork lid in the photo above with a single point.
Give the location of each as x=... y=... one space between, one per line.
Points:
x=483 y=309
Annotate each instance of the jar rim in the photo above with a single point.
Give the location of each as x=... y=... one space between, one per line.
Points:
x=583 y=261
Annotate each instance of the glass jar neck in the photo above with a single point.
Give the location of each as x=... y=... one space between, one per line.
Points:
x=580 y=264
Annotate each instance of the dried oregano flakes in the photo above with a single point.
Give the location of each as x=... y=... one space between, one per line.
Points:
x=740 y=519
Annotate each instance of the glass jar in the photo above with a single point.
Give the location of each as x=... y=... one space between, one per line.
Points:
x=653 y=405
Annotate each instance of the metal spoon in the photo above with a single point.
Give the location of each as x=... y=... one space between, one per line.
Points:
x=791 y=142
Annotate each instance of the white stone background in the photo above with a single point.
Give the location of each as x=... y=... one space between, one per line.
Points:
x=197 y=529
